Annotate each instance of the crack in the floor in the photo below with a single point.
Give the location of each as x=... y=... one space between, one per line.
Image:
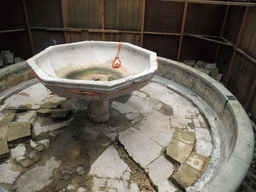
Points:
x=138 y=174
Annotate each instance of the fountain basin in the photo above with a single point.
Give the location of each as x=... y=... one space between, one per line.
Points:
x=56 y=64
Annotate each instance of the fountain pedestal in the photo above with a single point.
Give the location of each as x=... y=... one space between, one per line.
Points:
x=99 y=113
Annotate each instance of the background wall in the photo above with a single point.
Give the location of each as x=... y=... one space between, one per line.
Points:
x=211 y=31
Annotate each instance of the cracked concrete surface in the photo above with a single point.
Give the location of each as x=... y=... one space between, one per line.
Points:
x=78 y=155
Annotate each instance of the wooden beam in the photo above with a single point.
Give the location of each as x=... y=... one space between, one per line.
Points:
x=143 y=6
x=27 y=25
x=216 y=2
x=238 y=42
x=160 y=33
x=211 y=40
x=222 y=31
x=12 y=30
x=185 y=11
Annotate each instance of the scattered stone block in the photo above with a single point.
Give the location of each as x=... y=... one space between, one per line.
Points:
x=28 y=116
x=32 y=155
x=25 y=163
x=60 y=114
x=39 y=148
x=50 y=105
x=186 y=176
x=20 y=158
x=33 y=144
x=9 y=57
x=19 y=150
x=198 y=161
x=1 y=63
x=45 y=142
x=4 y=150
x=187 y=137
x=19 y=130
x=17 y=59
x=178 y=150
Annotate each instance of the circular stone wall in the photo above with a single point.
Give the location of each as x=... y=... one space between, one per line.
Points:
x=180 y=107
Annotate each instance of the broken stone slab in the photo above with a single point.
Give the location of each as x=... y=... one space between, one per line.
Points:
x=109 y=164
x=60 y=114
x=187 y=137
x=28 y=116
x=18 y=151
x=198 y=161
x=178 y=150
x=4 y=150
x=186 y=176
x=19 y=130
x=3 y=132
x=159 y=171
x=50 y=105
x=176 y=122
x=17 y=59
x=7 y=119
x=141 y=148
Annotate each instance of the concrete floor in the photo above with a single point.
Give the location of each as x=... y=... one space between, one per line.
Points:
x=157 y=141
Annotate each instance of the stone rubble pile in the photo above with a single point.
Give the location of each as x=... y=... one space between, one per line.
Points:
x=207 y=68
x=7 y=58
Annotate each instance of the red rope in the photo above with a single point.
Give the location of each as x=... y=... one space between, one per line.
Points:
x=114 y=63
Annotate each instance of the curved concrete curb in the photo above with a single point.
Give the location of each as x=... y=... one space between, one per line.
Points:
x=236 y=134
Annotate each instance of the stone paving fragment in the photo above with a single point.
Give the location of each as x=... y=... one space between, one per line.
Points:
x=60 y=114
x=187 y=137
x=8 y=172
x=19 y=150
x=45 y=142
x=198 y=161
x=32 y=97
x=204 y=148
x=186 y=176
x=159 y=173
x=35 y=179
x=203 y=134
x=29 y=116
x=44 y=124
x=19 y=130
x=180 y=123
x=4 y=150
x=140 y=147
x=109 y=164
x=3 y=132
x=178 y=150
x=7 y=119
x=104 y=184
x=156 y=126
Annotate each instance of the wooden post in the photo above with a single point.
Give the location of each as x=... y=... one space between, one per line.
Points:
x=27 y=25
x=143 y=7
x=102 y=7
x=222 y=31
x=251 y=97
x=182 y=30
x=239 y=40
x=64 y=13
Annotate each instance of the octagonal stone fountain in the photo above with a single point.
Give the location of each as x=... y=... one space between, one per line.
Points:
x=94 y=73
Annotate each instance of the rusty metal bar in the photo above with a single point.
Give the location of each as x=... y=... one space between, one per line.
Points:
x=185 y=11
